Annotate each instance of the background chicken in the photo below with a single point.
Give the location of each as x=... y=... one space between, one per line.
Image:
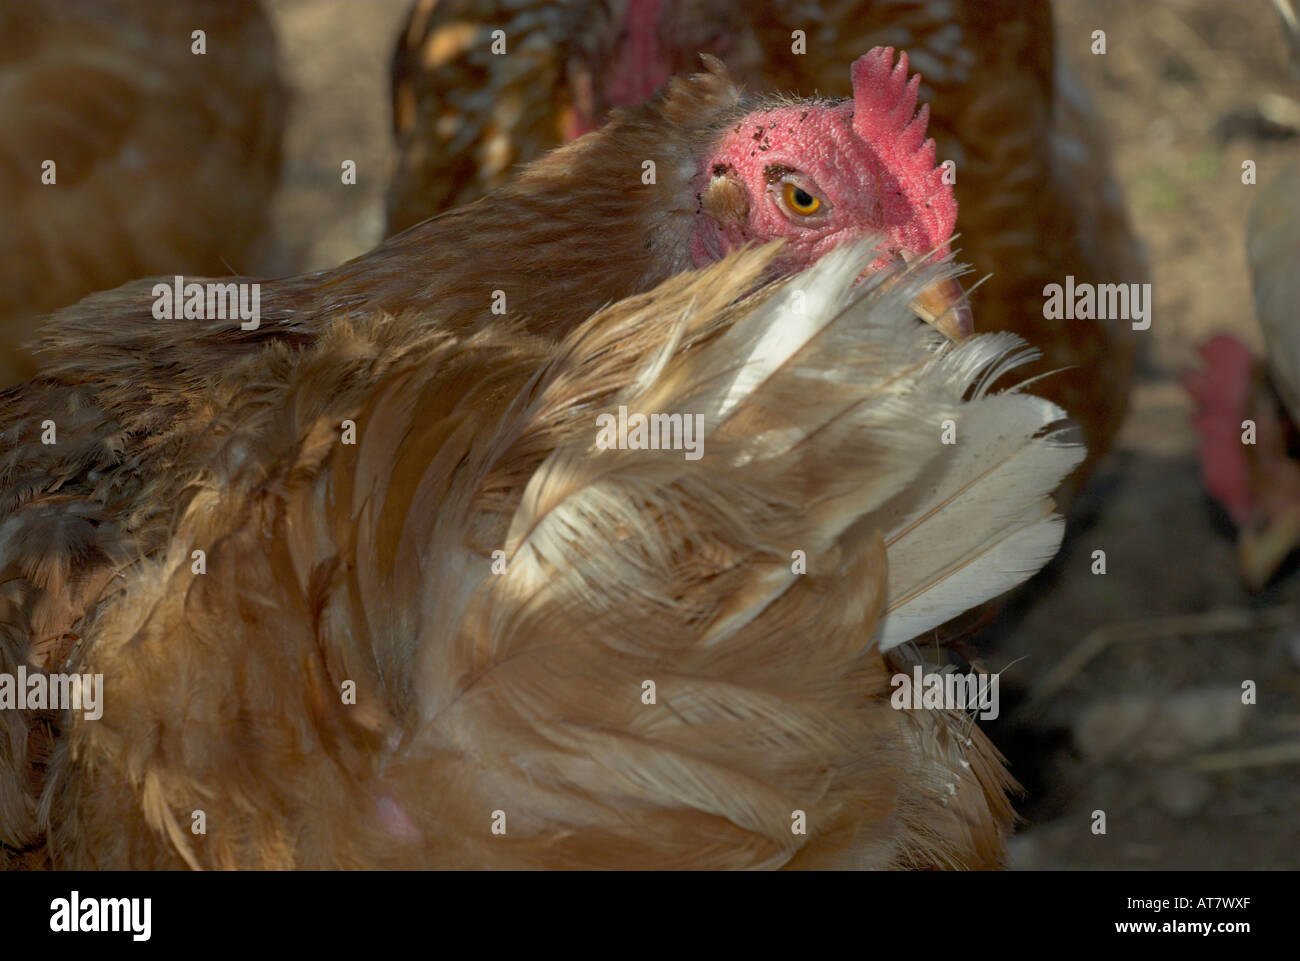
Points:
x=165 y=160
x=1031 y=172
x=1254 y=472
x=517 y=693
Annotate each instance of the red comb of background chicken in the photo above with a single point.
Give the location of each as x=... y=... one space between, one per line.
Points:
x=885 y=115
x=1221 y=389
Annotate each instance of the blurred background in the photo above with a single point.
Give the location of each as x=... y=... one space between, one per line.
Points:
x=1120 y=691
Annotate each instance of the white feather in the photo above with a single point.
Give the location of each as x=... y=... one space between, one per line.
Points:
x=785 y=324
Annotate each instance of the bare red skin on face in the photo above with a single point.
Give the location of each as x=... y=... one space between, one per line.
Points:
x=866 y=160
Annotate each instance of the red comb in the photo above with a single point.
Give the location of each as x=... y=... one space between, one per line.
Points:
x=885 y=115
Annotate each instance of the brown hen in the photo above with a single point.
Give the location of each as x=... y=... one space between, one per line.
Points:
x=385 y=641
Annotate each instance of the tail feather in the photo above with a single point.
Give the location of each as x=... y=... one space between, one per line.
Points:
x=985 y=522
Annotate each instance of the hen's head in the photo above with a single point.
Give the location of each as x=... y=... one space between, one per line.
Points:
x=819 y=173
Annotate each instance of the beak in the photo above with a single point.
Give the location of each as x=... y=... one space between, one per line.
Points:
x=1261 y=552
x=944 y=306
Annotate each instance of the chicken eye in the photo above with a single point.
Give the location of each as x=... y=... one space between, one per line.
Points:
x=800 y=200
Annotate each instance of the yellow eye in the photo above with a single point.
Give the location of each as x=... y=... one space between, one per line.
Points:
x=800 y=200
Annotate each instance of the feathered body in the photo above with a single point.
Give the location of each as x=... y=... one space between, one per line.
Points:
x=1032 y=170
x=521 y=690
x=164 y=159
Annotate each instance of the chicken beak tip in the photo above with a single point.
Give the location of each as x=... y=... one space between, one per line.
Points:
x=943 y=305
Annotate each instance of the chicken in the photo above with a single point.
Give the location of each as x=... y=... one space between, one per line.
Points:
x=325 y=562
x=1032 y=173
x=477 y=637
x=163 y=159
x=1248 y=408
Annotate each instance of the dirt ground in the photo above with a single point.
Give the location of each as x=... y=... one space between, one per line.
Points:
x=1122 y=691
